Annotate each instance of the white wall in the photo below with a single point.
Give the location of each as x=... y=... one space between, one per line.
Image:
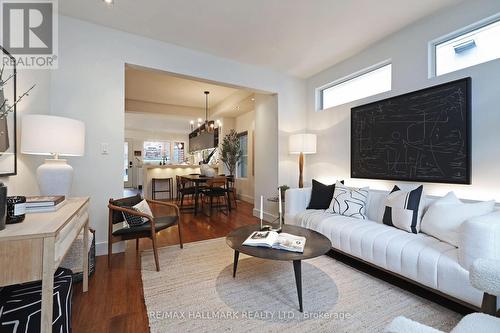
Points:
x=89 y=85
x=245 y=186
x=408 y=51
x=37 y=102
x=266 y=164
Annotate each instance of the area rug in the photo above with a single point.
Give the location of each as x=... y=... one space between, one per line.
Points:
x=195 y=292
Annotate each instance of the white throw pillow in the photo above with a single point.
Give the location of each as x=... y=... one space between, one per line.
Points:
x=144 y=208
x=403 y=209
x=349 y=201
x=445 y=216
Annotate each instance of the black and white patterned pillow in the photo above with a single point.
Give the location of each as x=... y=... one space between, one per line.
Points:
x=403 y=209
x=349 y=201
x=133 y=220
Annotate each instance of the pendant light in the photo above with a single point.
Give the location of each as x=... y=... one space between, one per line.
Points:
x=209 y=126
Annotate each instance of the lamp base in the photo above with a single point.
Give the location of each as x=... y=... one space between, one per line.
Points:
x=55 y=177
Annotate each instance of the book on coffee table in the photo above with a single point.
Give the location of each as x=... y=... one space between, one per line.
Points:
x=280 y=241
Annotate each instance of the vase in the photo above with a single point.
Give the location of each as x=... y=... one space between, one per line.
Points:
x=207 y=171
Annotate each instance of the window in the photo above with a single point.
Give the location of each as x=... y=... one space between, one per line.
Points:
x=242 y=169
x=156 y=151
x=178 y=156
x=470 y=46
x=371 y=81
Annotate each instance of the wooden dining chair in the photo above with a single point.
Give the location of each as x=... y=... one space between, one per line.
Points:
x=185 y=188
x=147 y=230
x=216 y=188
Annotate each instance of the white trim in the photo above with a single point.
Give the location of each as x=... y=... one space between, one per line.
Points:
x=366 y=70
x=246 y=198
x=268 y=217
x=462 y=31
x=101 y=249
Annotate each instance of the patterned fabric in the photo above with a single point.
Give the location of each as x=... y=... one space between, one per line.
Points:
x=20 y=305
x=403 y=209
x=133 y=220
x=349 y=201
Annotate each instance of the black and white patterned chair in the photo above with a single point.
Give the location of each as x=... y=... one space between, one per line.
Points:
x=20 y=305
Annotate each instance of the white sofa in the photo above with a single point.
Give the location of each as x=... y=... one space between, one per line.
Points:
x=419 y=257
x=485 y=275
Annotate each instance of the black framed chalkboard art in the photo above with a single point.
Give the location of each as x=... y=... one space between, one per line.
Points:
x=421 y=136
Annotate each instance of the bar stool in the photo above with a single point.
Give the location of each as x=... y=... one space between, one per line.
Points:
x=169 y=189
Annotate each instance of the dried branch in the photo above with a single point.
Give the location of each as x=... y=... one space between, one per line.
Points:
x=2 y=83
x=10 y=108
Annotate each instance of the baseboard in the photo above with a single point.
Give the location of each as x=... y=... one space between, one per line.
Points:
x=246 y=198
x=101 y=249
x=268 y=217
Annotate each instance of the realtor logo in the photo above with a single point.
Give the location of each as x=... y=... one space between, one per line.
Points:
x=29 y=31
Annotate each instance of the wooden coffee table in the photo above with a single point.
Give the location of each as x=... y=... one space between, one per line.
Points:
x=316 y=245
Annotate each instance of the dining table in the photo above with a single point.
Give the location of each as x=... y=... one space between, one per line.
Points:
x=198 y=181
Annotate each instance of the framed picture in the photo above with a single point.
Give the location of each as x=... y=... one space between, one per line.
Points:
x=8 y=96
x=421 y=136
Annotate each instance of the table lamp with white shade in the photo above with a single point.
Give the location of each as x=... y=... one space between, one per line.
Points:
x=301 y=144
x=55 y=136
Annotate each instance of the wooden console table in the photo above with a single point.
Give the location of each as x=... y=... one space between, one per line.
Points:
x=32 y=250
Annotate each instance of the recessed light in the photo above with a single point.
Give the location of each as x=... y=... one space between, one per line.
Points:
x=253 y=99
x=108 y=2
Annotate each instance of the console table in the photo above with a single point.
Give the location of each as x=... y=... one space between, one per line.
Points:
x=33 y=249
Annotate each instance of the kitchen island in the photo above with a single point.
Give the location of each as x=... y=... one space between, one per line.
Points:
x=165 y=171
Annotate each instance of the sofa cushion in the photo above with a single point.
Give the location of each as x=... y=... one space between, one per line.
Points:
x=445 y=216
x=349 y=201
x=376 y=205
x=403 y=209
x=160 y=223
x=321 y=195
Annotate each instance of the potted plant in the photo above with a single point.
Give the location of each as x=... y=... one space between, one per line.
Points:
x=231 y=152
x=283 y=190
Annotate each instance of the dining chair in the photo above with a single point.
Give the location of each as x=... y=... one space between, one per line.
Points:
x=216 y=188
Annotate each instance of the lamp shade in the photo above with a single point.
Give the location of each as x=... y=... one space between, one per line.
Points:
x=302 y=143
x=46 y=135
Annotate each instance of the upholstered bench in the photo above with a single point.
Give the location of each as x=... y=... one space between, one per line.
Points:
x=20 y=305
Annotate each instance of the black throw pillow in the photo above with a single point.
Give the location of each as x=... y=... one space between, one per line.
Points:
x=321 y=195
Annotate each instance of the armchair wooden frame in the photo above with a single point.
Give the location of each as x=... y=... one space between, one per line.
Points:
x=141 y=234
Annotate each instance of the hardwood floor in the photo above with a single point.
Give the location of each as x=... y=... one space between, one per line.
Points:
x=115 y=301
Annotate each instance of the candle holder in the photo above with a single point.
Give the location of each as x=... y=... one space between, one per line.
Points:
x=270 y=227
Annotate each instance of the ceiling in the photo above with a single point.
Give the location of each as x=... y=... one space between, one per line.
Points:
x=159 y=87
x=299 y=37
x=181 y=99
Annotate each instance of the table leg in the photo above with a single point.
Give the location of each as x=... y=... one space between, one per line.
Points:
x=298 y=280
x=86 y=256
x=47 y=285
x=196 y=194
x=235 y=263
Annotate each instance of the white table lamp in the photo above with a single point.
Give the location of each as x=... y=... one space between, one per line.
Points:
x=55 y=136
x=302 y=144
